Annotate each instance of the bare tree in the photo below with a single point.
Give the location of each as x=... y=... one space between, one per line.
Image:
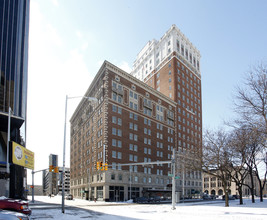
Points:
x=255 y=149
x=251 y=106
x=238 y=171
x=216 y=158
x=251 y=99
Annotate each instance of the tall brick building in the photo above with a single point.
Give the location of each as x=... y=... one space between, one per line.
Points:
x=139 y=117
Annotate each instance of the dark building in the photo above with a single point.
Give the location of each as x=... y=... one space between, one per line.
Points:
x=14 y=34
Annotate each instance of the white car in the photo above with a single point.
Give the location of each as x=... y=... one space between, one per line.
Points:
x=10 y=215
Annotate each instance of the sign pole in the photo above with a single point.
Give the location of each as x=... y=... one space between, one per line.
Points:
x=32 y=186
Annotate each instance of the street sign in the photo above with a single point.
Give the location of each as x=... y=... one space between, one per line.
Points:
x=22 y=156
x=171 y=175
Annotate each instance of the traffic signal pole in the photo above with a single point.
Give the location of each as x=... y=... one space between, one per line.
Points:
x=32 y=186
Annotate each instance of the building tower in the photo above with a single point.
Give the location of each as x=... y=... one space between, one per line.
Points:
x=14 y=32
x=172 y=66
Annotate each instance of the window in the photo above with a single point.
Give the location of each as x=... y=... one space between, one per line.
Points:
x=119 y=110
x=114 y=119
x=145 y=130
x=114 y=154
x=145 y=150
x=113 y=166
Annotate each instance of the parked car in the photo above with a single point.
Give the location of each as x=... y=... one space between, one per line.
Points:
x=236 y=196
x=10 y=215
x=230 y=197
x=154 y=199
x=69 y=197
x=142 y=200
x=207 y=197
x=15 y=205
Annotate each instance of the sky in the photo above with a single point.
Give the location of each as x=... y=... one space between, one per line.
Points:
x=70 y=39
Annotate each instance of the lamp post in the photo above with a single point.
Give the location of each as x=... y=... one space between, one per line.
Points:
x=92 y=99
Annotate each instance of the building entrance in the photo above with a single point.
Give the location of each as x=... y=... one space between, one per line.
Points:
x=116 y=193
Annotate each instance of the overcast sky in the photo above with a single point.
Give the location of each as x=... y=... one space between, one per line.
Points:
x=70 y=39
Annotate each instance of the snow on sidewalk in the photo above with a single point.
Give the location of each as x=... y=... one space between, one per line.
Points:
x=102 y=210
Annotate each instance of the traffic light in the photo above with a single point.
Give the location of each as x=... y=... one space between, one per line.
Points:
x=106 y=166
x=56 y=170
x=51 y=168
x=97 y=165
x=101 y=166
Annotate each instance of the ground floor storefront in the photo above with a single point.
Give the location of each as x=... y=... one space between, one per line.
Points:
x=117 y=193
x=112 y=193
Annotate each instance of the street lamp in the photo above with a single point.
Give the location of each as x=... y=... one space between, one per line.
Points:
x=92 y=99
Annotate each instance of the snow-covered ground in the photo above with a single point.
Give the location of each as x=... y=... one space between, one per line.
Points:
x=111 y=211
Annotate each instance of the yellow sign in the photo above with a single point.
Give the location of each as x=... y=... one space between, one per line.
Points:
x=22 y=156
